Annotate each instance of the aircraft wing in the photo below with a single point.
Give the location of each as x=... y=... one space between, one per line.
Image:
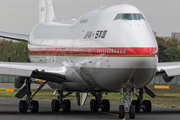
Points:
x=18 y=37
x=54 y=72
x=171 y=69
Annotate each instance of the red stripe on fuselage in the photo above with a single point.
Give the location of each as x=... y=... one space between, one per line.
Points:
x=95 y=51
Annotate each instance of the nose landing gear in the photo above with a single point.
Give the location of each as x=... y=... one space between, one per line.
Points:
x=126 y=90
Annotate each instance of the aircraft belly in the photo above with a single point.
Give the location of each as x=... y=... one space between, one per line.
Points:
x=112 y=79
x=107 y=73
x=110 y=74
x=71 y=86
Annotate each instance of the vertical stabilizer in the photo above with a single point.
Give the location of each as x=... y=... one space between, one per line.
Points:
x=46 y=11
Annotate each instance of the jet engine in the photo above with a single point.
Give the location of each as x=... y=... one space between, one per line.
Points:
x=19 y=81
x=167 y=79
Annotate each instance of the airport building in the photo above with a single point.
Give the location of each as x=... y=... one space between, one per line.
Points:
x=175 y=35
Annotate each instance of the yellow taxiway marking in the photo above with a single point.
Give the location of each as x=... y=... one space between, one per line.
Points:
x=6 y=90
x=110 y=113
x=161 y=86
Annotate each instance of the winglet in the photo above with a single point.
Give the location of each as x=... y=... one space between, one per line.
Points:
x=46 y=11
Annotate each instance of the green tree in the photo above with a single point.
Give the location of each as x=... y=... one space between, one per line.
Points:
x=173 y=51
x=169 y=50
x=13 y=51
x=162 y=45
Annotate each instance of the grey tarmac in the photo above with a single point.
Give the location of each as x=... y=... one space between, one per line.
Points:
x=9 y=110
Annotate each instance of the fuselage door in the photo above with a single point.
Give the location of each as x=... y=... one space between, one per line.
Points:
x=90 y=51
x=71 y=50
x=54 y=52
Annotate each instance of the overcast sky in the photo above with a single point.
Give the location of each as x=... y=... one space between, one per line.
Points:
x=20 y=16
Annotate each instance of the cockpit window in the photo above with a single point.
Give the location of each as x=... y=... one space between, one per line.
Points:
x=129 y=16
x=137 y=16
x=118 y=17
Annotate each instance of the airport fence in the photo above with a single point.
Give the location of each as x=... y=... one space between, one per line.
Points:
x=7 y=79
x=159 y=81
x=155 y=81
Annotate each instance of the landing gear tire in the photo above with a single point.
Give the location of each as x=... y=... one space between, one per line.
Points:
x=121 y=112
x=55 y=105
x=22 y=106
x=94 y=105
x=66 y=106
x=133 y=102
x=147 y=104
x=132 y=112
x=35 y=106
x=137 y=105
x=105 y=105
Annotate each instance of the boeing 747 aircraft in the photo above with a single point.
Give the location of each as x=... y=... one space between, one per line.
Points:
x=109 y=49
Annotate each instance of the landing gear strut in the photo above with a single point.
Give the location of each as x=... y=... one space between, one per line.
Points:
x=60 y=103
x=126 y=90
x=97 y=103
x=143 y=104
x=28 y=104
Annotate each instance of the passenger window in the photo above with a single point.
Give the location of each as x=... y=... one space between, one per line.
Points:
x=124 y=50
x=101 y=50
x=114 y=50
x=97 y=51
x=117 y=50
x=105 y=50
x=121 y=51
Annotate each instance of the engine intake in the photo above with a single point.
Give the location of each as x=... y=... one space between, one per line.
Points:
x=167 y=79
x=19 y=81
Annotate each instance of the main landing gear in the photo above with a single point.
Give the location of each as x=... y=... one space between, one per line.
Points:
x=28 y=104
x=145 y=105
x=97 y=103
x=60 y=103
x=126 y=90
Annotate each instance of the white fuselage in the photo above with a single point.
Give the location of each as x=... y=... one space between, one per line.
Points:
x=100 y=53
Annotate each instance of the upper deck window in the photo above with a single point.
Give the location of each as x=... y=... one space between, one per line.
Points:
x=129 y=16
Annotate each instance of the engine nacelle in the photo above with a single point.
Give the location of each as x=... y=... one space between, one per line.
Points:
x=167 y=79
x=19 y=81
x=54 y=85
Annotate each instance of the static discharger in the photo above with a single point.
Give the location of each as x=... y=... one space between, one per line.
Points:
x=161 y=86
x=6 y=90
